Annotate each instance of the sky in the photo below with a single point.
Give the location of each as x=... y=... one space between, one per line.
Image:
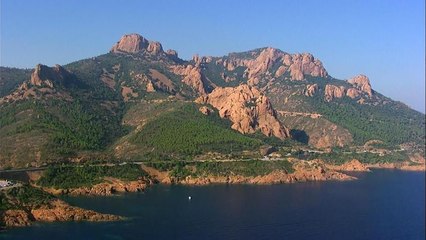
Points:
x=384 y=40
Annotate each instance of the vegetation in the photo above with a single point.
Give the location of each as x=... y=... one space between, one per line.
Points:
x=339 y=158
x=248 y=168
x=73 y=176
x=23 y=197
x=185 y=131
x=71 y=126
x=392 y=122
x=11 y=78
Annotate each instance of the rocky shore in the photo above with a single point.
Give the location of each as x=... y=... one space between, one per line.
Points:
x=56 y=210
x=304 y=171
x=107 y=188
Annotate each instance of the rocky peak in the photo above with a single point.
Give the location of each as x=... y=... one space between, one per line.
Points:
x=332 y=91
x=304 y=64
x=172 y=53
x=193 y=77
x=130 y=43
x=48 y=76
x=247 y=108
x=261 y=62
x=361 y=82
x=154 y=48
x=135 y=43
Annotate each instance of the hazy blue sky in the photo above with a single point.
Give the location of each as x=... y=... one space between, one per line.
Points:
x=383 y=39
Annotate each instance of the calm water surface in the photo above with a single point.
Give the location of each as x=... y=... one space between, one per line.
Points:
x=384 y=204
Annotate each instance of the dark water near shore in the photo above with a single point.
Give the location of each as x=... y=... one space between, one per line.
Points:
x=384 y=204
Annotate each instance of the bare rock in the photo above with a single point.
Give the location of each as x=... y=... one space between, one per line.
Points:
x=206 y=110
x=248 y=110
x=61 y=211
x=353 y=93
x=193 y=77
x=172 y=53
x=48 y=76
x=361 y=82
x=150 y=87
x=154 y=48
x=332 y=91
x=280 y=71
x=311 y=90
x=305 y=64
x=353 y=165
x=131 y=43
x=15 y=218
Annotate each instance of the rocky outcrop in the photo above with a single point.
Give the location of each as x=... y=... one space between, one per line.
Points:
x=353 y=93
x=193 y=77
x=131 y=43
x=107 y=188
x=45 y=82
x=135 y=43
x=304 y=171
x=150 y=87
x=362 y=83
x=16 y=218
x=55 y=210
x=260 y=63
x=331 y=92
x=247 y=109
x=205 y=110
x=172 y=54
x=280 y=71
x=58 y=210
x=353 y=165
x=304 y=64
x=310 y=90
x=154 y=48
x=48 y=76
x=127 y=93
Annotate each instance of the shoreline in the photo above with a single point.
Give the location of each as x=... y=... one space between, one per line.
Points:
x=304 y=171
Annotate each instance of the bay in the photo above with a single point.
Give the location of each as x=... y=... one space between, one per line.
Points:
x=383 y=204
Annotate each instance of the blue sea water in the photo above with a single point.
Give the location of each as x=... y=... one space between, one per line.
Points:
x=383 y=204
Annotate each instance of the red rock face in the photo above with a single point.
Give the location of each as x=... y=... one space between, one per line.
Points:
x=311 y=90
x=172 y=53
x=298 y=65
x=248 y=110
x=304 y=64
x=192 y=77
x=131 y=43
x=135 y=43
x=353 y=93
x=46 y=76
x=332 y=91
x=362 y=83
x=154 y=47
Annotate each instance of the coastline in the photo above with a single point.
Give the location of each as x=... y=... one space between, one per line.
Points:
x=55 y=210
x=304 y=171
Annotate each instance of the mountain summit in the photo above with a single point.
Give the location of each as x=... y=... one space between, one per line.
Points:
x=140 y=102
x=135 y=43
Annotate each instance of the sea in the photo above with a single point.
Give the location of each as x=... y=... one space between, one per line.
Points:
x=382 y=204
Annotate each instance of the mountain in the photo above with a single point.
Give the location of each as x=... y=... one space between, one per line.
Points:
x=139 y=102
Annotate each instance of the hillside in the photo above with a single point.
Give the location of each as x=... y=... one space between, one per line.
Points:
x=140 y=102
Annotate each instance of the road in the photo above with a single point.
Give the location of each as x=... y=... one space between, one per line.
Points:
x=23 y=169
